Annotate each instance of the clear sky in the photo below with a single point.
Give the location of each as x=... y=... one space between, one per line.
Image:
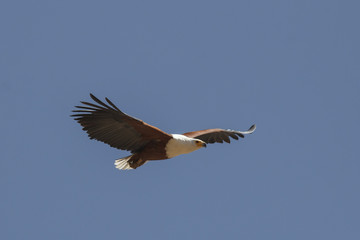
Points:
x=291 y=67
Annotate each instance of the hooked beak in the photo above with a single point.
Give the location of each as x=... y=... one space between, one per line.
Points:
x=204 y=145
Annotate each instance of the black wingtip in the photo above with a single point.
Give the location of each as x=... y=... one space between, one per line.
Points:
x=94 y=98
x=252 y=128
x=113 y=105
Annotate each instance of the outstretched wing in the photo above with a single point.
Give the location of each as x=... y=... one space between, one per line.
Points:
x=219 y=135
x=106 y=123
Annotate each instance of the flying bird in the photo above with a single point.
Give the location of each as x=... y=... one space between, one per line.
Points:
x=108 y=124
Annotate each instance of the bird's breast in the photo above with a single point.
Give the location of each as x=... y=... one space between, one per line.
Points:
x=178 y=145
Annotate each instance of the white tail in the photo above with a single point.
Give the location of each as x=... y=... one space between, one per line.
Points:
x=122 y=163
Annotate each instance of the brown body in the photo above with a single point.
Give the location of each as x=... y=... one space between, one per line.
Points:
x=154 y=150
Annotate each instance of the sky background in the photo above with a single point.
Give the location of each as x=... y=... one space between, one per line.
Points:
x=291 y=67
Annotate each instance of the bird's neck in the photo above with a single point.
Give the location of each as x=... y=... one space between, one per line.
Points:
x=180 y=144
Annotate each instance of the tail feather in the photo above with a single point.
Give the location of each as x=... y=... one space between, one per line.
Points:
x=123 y=164
x=129 y=162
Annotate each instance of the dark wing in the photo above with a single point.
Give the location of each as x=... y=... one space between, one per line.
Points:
x=219 y=135
x=106 y=123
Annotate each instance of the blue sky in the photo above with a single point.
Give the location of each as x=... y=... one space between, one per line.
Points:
x=291 y=67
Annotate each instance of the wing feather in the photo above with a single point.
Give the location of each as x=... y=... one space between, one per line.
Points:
x=108 y=124
x=219 y=135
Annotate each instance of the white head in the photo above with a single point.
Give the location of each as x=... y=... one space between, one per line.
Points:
x=181 y=144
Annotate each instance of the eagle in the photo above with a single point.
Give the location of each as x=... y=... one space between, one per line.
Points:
x=108 y=124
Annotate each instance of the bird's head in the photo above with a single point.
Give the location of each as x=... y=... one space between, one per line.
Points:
x=199 y=143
